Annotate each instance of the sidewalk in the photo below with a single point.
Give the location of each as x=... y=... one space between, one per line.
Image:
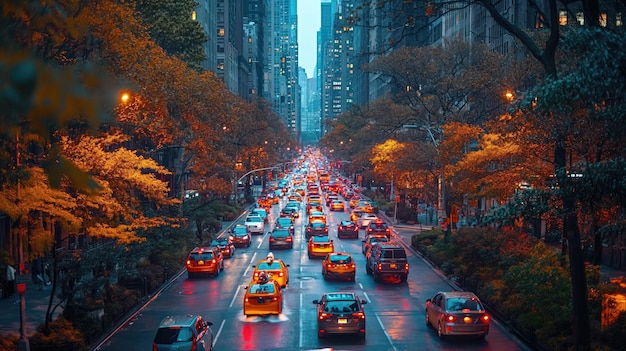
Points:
x=35 y=312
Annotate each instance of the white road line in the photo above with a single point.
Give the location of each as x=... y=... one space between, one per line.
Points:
x=232 y=302
x=219 y=331
x=301 y=337
x=367 y=297
x=385 y=331
x=245 y=272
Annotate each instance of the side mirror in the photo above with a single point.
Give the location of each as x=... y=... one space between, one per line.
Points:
x=316 y=302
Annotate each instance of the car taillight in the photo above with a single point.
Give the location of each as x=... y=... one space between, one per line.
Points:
x=213 y=261
x=358 y=315
x=194 y=344
x=188 y=262
x=406 y=267
x=380 y=266
x=154 y=347
x=353 y=266
x=325 y=315
x=289 y=239
x=369 y=229
x=484 y=318
x=245 y=300
x=450 y=318
x=326 y=229
x=274 y=298
x=280 y=274
x=272 y=239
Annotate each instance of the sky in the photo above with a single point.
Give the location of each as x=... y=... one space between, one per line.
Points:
x=308 y=25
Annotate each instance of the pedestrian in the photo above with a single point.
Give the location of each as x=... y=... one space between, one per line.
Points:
x=38 y=272
x=10 y=280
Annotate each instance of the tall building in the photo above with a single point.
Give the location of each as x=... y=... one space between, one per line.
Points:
x=254 y=20
x=281 y=77
x=229 y=28
x=206 y=15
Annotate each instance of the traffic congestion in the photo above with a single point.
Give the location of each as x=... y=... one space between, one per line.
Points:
x=308 y=273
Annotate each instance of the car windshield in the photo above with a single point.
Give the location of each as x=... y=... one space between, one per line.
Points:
x=463 y=303
x=394 y=253
x=261 y=289
x=341 y=306
x=167 y=336
x=340 y=259
x=240 y=230
x=205 y=256
x=260 y=213
x=264 y=266
x=321 y=239
x=284 y=222
x=280 y=233
x=254 y=219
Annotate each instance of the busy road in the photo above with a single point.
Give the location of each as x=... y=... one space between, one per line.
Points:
x=394 y=310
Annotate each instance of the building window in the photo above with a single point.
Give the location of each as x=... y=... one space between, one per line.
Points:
x=603 y=19
x=193 y=15
x=580 y=17
x=220 y=32
x=563 y=17
x=538 y=23
x=618 y=19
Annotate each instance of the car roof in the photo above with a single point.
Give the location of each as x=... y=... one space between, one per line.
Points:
x=466 y=294
x=320 y=238
x=178 y=321
x=339 y=296
x=346 y=222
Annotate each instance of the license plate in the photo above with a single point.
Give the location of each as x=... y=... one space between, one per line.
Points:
x=342 y=321
x=260 y=300
x=200 y=263
x=392 y=265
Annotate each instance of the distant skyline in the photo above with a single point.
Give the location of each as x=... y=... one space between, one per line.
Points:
x=309 y=23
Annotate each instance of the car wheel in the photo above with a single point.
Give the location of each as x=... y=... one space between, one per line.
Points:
x=440 y=333
x=368 y=269
x=403 y=278
x=320 y=335
x=426 y=318
x=362 y=335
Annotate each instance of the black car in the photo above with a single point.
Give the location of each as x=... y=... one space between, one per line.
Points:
x=290 y=212
x=285 y=223
x=225 y=246
x=378 y=226
x=316 y=228
x=239 y=236
x=347 y=229
x=340 y=313
x=281 y=239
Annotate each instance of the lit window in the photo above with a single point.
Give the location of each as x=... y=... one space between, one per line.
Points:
x=580 y=17
x=618 y=19
x=563 y=17
x=193 y=15
x=603 y=20
x=220 y=32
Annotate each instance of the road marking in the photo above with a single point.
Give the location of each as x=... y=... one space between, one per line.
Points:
x=219 y=331
x=245 y=272
x=301 y=337
x=367 y=297
x=385 y=331
x=232 y=302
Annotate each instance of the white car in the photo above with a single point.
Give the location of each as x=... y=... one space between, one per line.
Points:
x=255 y=224
x=365 y=220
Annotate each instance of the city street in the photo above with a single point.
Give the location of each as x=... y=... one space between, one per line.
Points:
x=395 y=312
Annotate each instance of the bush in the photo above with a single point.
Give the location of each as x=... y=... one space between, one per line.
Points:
x=63 y=335
x=8 y=342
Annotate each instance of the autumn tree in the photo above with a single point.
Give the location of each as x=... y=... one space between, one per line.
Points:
x=171 y=26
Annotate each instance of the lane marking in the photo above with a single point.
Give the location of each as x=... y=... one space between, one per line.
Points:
x=385 y=331
x=232 y=302
x=367 y=297
x=219 y=331
x=301 y=337
x=245 y=272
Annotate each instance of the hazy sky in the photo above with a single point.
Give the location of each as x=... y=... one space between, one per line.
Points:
x=308 y=25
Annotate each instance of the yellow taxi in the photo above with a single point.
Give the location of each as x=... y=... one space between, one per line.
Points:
x=355 y=215
x=320 y=246
x=354 y=201
x=276 y=268
x=338 y=265
x=263 y=297
x=337 y=205
x=317 y=216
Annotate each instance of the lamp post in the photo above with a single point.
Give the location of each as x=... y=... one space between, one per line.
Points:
x=22 y=344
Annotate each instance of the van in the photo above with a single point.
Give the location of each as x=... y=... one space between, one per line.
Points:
x=387 y=259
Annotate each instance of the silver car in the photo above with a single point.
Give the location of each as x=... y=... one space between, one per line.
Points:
x=457 y=313
x=183 y=332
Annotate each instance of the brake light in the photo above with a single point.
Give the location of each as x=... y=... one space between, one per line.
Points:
x=406 y=267
x=280 y=274
x=484 y=318
x=360 y=315
x=289 y=239
x=272 y=239
x=246 y=300
x=213 y=261
x=324 y=315
x=194 y=344
x=450 y=318
x=353 y=266
x=380 y=266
